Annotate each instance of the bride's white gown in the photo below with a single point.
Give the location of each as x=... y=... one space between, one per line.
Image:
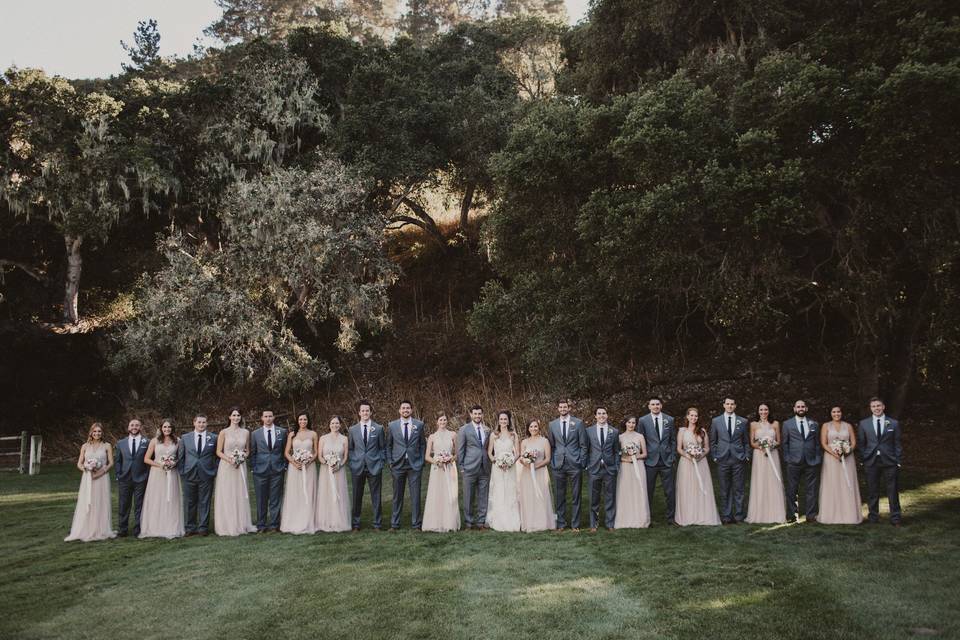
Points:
x=503 y=502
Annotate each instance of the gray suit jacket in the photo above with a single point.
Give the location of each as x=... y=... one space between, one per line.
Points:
x=573 y=449
x=472 y=456
x=412 y=450
x=373 y=455
x=659 y=451
x=795 y=449
x=723 y=448
x=131 y=467
x=265 y=461
x=606 y=458
x=888 y=446
x=197 y=466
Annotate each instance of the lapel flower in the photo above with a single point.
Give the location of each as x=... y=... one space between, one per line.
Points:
x=886 y=423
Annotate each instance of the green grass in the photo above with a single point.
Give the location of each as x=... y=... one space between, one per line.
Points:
x=797 y=581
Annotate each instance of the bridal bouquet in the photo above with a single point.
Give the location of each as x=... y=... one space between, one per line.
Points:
x=168 y=462
x=302 y=456
x=442 y=459
x=766 y=445
x=238 y=457
x=505 y=460
x=631 y=449
x=694 y=450
x=91 y=464
x=332 y=460
x=840 y=447
x=530 y=456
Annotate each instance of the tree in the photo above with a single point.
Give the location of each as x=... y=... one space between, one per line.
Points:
x=145 y=50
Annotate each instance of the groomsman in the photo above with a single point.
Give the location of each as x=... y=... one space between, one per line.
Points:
x=367 y=454
x=602 y=444
x=132 y=474
x=269 y=466
x=878 y=440
x=475 y=467
x=197 y=462
x=407 y=444
x=800 y=443
x=657 y=429
x=566 y=437
x=730 y=447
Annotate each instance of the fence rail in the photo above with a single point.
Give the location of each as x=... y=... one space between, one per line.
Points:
x=28 y=453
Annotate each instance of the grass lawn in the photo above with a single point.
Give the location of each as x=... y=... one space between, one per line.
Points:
x=790 y=581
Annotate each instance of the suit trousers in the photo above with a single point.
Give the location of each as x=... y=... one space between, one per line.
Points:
x=572 y=474
x=196 y=505
x=130 y=492
x=603 y=486
x=374 y=480
x=811 y=493
x=475 y=484
x=731 y=476
x=269 y=490
x=403 y=474
x=891 y=475
x=665 y=472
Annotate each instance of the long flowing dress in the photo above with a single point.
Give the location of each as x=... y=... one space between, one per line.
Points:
x=536 y=505
x=91 y=517
x=696 y=503
x=503 y=503
x=299 y=513
x=441 y=512
x=162 y=502
x=633 y=508
x=766 y=504
x=333 y=504
x=839 y=496
x=231 y=502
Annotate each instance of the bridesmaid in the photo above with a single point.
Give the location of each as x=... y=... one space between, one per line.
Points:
x=231 y=502
x=536 y=505
x=333 y=504
x=162 y=502
x=441 y=512
x=766 y=478
x=633 y=508
x=695 y=500
x=298 y=514
x=91 y=517
x=839 y=495
x=503 y=502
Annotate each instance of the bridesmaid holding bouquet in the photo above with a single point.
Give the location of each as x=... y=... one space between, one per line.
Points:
x=696 y=503
x=839 y=488
x=298 y=514
x=441 y=513
x=333 y=504
x=536 y=505
x=91 y=517
x=633 y=507
x=766 y=478
x=231 y=501
x=162 y=502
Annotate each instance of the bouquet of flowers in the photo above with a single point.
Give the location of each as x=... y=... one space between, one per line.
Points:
x=766 y=445
x=840 y=447
x=631 y=449
x=505 y=460
x=91 y=464
x=332 y=460
x=442 y=459
x=302 y=456
x=238 y=457
x=694 y=450
x=530 y=456
x=168 y=462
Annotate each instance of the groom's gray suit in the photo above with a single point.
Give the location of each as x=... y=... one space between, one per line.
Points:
x=269 y=467
x=567 y=462
x=730 y=449
x=881 y=456
x=802 y=455
x=132 y=472
x=198 y=468
x=366 y=458
x=406 y=449
x=475 y=468
x=661 y=439
x=603 y=465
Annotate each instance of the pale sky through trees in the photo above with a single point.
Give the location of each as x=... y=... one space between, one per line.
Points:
x=82 y=39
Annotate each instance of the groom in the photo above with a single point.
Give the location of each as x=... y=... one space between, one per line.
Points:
x=269 y=465
x=132 y=474
x=367 y=455
x=565 y=435
x=603 y=465
x=197 y=462
x=406 y=444
x=879 y=445
x=730 y=448
x=657 y=429
x=475 y=467
x=800 y=443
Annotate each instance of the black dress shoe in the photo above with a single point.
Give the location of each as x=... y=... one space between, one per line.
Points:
x=121 y=534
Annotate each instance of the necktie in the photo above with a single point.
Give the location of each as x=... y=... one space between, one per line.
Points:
x=199 y=443
x=480 y=435
x=564 y=431
x=656 y=425
x=406 y=434
x=730 y=425
x=803 y=429
x=603 y=435
x=270 y=439
x=364 y=435
x=133 y=445
x=879 y=431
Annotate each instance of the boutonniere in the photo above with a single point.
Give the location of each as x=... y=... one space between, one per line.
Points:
x=886 y=423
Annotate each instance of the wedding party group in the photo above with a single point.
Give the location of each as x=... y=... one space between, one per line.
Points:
x=505 y=479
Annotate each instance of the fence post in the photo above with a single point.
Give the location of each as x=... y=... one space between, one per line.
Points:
x=36 y=450
x=24 y=451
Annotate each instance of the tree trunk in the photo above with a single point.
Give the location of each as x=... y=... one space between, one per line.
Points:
x=465 y=206
x=71 y=313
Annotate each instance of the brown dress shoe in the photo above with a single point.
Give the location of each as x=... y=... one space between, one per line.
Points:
x=593 y=529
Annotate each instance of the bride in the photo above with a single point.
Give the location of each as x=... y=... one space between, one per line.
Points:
x=503 y=504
